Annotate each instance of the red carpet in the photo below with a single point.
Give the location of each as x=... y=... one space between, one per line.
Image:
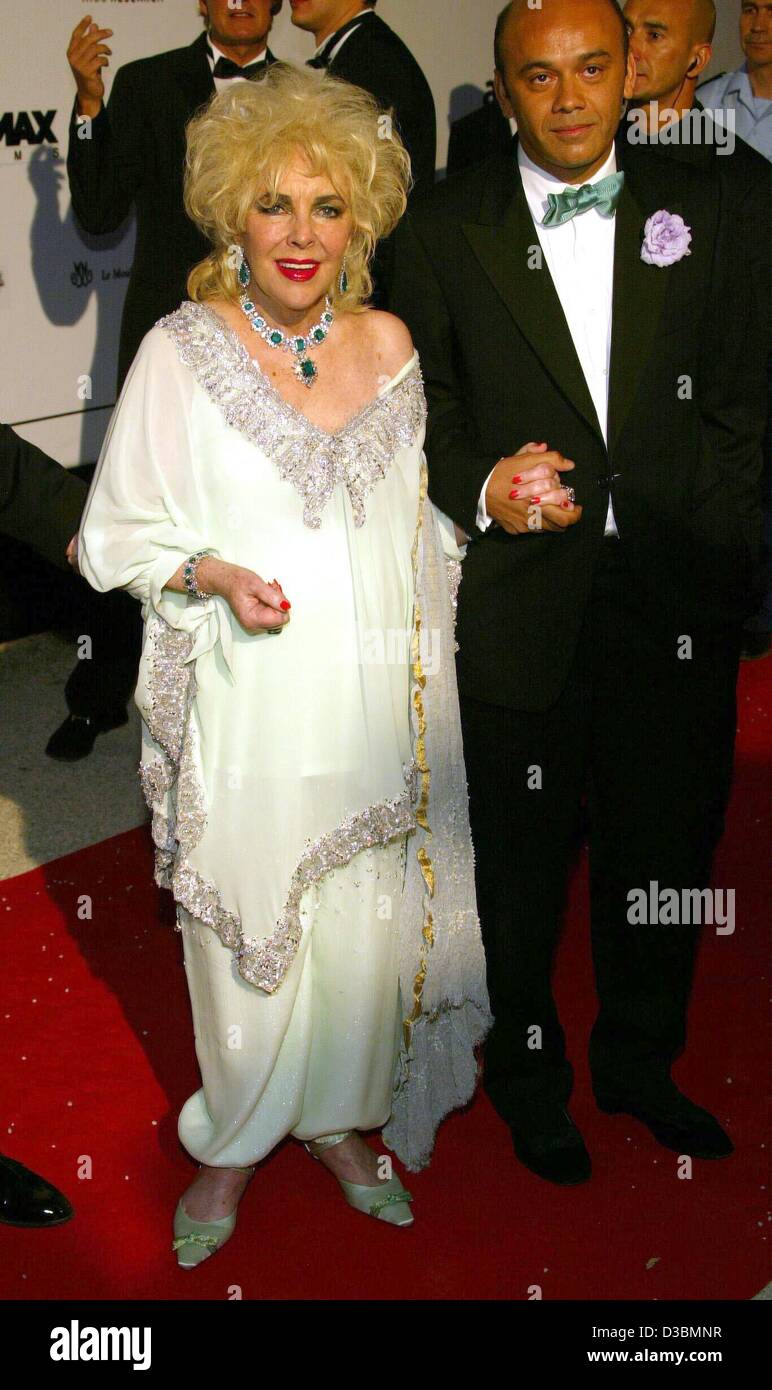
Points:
x=98 y=1058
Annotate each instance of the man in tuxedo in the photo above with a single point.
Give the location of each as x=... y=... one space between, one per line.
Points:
x=40 y=505
x=40 y=501
x=129 y=153
x=671 y=43
x=355 y=44
x=600 y=656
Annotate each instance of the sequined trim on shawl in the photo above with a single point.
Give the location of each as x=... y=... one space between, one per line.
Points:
x=263 y=962
x=454 y=583
x=313 y=460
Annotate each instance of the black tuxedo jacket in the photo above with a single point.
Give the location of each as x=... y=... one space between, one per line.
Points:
x=746 y=179
x=374 y=57
x=686 y=415
x=477 y=135
x=135 y=159
x=40 y=501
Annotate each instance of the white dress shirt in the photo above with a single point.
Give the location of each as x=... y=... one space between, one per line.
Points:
x=580 y=258
x=222 y=82
x=335 y=50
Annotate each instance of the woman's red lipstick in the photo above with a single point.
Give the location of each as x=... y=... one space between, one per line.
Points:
x=298 y=270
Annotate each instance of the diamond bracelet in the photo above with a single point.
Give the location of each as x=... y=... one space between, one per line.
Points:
x=190 y=576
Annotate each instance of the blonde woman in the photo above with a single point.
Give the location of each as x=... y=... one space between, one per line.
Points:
x=262 y=491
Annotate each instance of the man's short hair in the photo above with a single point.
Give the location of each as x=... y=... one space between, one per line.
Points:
x=501 y=22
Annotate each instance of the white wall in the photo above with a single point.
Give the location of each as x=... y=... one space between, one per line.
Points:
x=727 y=53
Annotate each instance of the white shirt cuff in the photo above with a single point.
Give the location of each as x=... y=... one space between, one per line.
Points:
x=483 y=520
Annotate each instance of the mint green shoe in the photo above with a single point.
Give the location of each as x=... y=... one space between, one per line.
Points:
x=195 y=1241
x=387 y=1201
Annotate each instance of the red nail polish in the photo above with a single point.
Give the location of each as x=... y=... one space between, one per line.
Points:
x=517 y=478
x=566 y=505
x=285 y=604
x=536 y=499
x=514 y=493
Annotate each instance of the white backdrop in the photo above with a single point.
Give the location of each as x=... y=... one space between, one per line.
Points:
x=61 y=292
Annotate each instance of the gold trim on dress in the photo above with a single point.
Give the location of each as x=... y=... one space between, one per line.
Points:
x=424 y=860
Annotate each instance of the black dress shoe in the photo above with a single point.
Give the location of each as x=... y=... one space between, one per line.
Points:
x=552 y=1147
x=27 y=1199
x=75 y=738
x=674 y=1120
x=755 y=645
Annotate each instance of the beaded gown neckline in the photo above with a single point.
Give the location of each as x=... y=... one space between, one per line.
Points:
x=354 y=420
x=315 y=461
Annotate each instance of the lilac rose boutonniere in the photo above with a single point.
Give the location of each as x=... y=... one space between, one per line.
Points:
x=666 y=239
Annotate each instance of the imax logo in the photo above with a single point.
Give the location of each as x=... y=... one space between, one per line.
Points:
x=27 y=128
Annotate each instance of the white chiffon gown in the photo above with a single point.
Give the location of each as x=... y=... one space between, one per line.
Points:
x=307 y=789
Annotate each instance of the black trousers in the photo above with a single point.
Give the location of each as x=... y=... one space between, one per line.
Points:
x=645 y=727
x=100 y=684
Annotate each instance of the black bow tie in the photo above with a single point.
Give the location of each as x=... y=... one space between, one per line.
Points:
x=322 y=60
x=225 y=68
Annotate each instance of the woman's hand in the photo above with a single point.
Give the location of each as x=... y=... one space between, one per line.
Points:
x=514 y=488
x=257 y=606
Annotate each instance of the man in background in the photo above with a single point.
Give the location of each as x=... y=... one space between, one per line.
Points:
x=748 y=94
x=671 y=41
x=127 y=154
x=748 y=91
x=40 y=505
x=355 y=44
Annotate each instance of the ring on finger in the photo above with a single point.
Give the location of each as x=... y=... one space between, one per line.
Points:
x=570 y=494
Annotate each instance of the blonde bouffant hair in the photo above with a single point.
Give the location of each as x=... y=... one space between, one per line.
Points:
x=240 y=144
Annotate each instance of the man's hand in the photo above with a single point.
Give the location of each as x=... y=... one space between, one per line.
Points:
x=72 y=553
x=86 y=55
x=514 y=488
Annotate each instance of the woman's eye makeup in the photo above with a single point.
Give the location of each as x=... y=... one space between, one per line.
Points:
x=330 y=210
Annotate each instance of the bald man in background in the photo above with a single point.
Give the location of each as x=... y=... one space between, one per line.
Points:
x=671 y=41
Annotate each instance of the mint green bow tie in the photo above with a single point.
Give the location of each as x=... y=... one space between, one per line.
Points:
x=603 y=195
